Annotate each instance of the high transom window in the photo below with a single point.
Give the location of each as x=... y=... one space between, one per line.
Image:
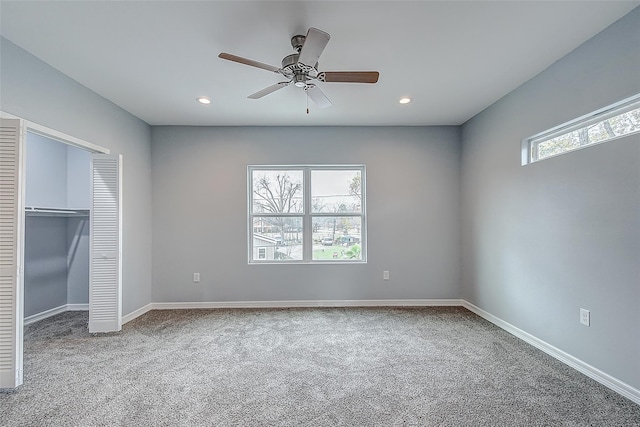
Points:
x=607 y=124
x=303 y=214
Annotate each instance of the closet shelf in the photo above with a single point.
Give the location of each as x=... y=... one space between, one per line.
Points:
x=33 y=211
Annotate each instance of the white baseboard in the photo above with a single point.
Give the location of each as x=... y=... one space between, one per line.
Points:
x=53 y=311
x=288 y=304
x=306 y=303
x=603 y=378
x=136 y=313
x=78 y=307
x=44 y=314
x=253 y=304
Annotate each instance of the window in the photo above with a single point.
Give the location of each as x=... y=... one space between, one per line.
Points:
x=303 y=214
x=612 y=122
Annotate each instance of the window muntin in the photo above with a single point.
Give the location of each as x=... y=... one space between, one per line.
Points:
x=607 y=124
x=292 y=208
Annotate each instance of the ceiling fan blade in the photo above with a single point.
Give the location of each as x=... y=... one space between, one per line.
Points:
x=314 y=43
x=250 y=62
x=268 y=90
x=318 y=96
x=349 y=76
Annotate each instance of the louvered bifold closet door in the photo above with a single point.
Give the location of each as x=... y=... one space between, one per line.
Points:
x=105 y=292
x=11 y=219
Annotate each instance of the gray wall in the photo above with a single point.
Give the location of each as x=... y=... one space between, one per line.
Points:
x=200 y=213
x=543 y=240
x=46 y=172
x=57 y=175
x=78 y=178
x=56 y=268
x=45 y=272
x=33 y=90
x=77 y=246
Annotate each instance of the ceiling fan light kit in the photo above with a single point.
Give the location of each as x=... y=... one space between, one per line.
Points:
x=301 y=68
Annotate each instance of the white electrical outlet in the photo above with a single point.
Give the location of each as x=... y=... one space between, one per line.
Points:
x=385 y=275
x=585 y=317
x=196 y=277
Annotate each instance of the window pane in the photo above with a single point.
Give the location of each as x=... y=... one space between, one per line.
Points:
x=337 y=238
x=277 y=238
x=336 y=191
x=277 y=191
x=622 y=124
x=306 y=213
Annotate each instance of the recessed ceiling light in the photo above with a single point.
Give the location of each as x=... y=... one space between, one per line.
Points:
x=405 y=100
x=203 y=100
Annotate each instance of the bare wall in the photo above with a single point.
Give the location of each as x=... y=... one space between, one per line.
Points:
x=45 y=269
x=200 y=213
x=543 y=240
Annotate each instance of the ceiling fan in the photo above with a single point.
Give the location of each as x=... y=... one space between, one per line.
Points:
x=301 y=68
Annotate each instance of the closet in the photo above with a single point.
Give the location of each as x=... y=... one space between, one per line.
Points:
x=61 y=238
x=56 y=246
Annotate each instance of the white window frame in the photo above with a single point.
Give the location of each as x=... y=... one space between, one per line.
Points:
x=307 y=215
x=530 y=145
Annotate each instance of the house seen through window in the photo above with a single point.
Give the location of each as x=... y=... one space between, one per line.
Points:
x=307 y=214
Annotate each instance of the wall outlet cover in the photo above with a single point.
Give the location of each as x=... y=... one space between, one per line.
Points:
x=585 y=317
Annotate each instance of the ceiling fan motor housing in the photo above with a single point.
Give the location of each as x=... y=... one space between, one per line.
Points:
x=291 y=67
x=290 y=62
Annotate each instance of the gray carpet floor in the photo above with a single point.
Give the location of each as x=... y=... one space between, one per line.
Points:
x=430 y=366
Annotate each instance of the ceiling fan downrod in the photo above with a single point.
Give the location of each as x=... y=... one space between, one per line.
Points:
x=297 y=42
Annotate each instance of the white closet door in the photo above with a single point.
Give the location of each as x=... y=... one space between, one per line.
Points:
x=105 y=272
x=11 y=255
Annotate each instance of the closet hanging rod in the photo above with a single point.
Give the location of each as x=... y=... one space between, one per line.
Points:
x=48 y=210
x=57 y=211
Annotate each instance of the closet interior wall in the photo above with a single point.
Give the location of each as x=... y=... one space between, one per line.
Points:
x=56 y=267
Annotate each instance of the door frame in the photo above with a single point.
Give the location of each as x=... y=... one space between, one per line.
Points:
x=29 y=126
x=64 y=138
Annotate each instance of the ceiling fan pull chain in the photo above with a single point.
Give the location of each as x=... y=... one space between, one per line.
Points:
x=307 y=96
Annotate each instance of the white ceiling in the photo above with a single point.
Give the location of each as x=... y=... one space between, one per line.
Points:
x=153 y=58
